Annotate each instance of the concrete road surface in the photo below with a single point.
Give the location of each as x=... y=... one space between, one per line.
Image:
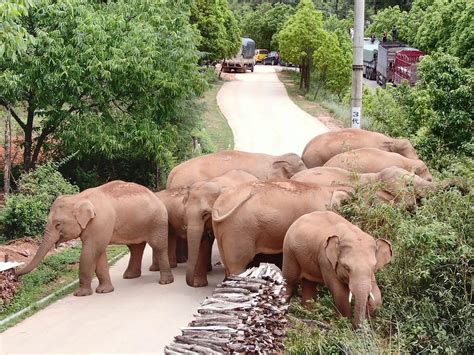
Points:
x=262 y=116
x=141 y=316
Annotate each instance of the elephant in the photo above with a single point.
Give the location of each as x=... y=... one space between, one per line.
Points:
x=197 y=215
x=392 y=183
x=253 y=218
x=323 y=247
x=114 y=213
x=371 y=160
x=173 y=199
x=324 y=146
x=263 y=166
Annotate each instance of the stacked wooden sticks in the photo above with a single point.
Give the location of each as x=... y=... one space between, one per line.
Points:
x=245 y=314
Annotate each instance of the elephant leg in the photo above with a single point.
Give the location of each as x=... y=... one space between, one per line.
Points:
x=237 y=256
x=308 y=290
x=172 y=251
x=102 y=272
x=291 y=272
x=134 y=268
x=209 y=252
x=159 y=244
x=87 y=265
x=200 y=271
x=181 y=250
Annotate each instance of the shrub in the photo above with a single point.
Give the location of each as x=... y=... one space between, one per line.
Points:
x=26 y=212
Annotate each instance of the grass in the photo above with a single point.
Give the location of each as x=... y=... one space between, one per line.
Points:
x=51 y=275
x=216 y=125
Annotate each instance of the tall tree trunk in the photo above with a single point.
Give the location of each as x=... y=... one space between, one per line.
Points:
x=302 y=73
x=27 y=152
x=8 y=154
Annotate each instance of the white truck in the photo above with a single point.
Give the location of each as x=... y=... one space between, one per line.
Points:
x=244 y=60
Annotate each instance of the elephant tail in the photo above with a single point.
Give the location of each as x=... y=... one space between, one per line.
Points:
x=215 y=214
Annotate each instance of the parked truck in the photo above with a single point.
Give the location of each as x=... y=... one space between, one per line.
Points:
x=370 y=58
x=405 y=66
x=385 y=60
x=244 y=60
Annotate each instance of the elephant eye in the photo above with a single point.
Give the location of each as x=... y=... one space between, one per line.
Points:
x=346 y=267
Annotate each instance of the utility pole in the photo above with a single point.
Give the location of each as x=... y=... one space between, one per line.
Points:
x=357 y=63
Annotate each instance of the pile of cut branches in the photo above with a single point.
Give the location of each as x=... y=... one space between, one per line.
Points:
x=9 y=286
x=245 y=314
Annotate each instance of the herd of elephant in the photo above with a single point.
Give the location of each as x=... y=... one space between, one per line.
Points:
x=251 y=204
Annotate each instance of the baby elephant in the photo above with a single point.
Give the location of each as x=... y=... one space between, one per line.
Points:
x=323 y=247
x=115 y=213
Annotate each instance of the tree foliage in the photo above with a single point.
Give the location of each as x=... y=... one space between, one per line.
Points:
x=220 y=33
x=300 y=37
x=333 y=61
x=14 y=38
x=110 y=78
x=264 y=22
x=385 y=19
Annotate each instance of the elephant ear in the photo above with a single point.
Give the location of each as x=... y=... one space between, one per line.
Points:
x=332 y=250
x=383 y=253
x=283 y=166
x=337 y=197
x=84 y=212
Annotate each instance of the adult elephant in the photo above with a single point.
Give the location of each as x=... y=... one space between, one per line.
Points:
x=114 y=213
x=371 y=160
x=197 y=216
x=263 y=166
x=324 y=146
x=253 y=218
x=393 y=184
x=323 y=247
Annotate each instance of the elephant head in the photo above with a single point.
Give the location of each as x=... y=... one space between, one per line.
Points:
x=68 y=217
x=356 y=258
x=422 y=171
x=287 y=165
x=197 y=214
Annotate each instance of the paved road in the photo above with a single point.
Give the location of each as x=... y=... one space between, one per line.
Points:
x=262 y=116
x=372 y=84
x=142 y=316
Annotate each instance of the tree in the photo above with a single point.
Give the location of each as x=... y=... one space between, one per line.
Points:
x=105 y=77
x=300 y=37
x=333 y=62
x=385 y=19
x=447 y=90
x=440 y=25
x=263 y=23
x=220 y=34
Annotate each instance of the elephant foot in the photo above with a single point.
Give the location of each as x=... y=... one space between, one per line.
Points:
x=156 y=267
x=181 y=259
x=199 y=282
x=104 y=288
x=83 y=292
x=132 y=274
x=166 y=278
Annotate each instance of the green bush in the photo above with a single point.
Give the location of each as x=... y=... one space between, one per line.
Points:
x=26 y=211
x=427 y=288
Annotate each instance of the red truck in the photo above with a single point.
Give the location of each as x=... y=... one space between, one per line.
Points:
x=397 y=62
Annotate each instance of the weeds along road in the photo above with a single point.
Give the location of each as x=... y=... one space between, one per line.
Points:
x=262 y=116
x=141 y=316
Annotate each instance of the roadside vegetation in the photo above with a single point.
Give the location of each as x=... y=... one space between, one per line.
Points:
x=96 y=91
x=427 y=289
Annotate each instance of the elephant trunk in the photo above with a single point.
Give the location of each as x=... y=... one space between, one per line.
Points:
x=194 y=237
x=48 y=242
x=361 y=292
